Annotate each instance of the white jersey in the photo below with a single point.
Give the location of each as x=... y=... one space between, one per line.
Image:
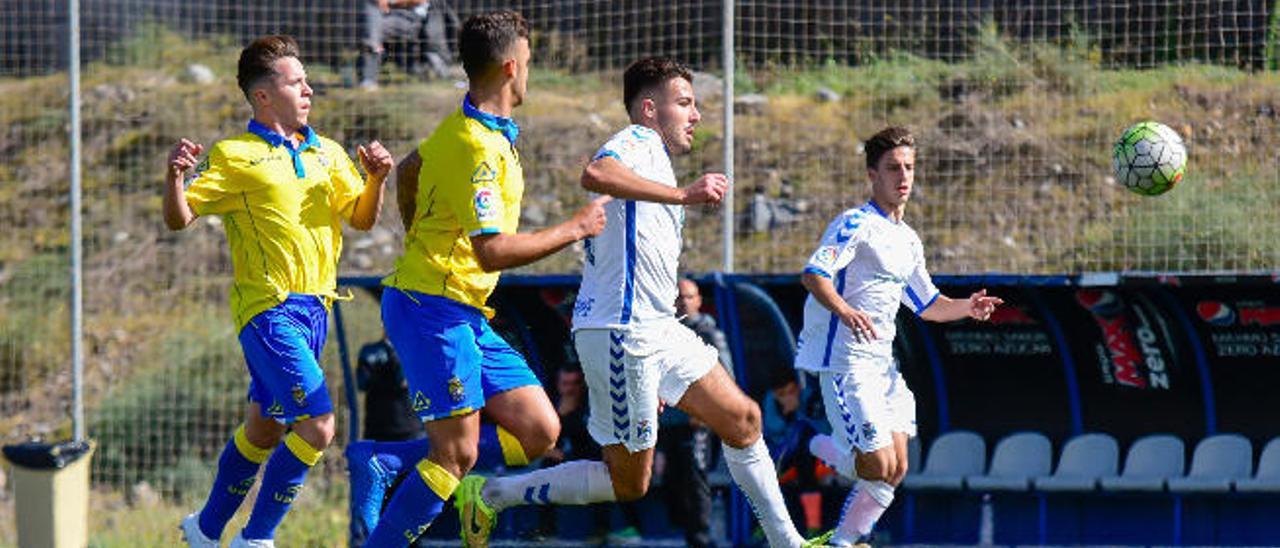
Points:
x=876 y=264
x=629 y=272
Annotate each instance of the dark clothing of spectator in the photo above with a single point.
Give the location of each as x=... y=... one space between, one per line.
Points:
x=688 y=493
x=388 y=413
x=420 y=30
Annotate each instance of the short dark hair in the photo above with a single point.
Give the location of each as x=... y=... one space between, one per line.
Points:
x=257 y=58
x=888 y=139
x=487 y=38
x=648 y=73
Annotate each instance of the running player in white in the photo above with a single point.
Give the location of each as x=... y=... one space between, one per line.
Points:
x=868 y=264
x=634 y=351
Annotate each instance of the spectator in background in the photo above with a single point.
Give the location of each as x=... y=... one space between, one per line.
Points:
x=388 y=413
x=684 y=441
x=787 y=429
x=419 y=25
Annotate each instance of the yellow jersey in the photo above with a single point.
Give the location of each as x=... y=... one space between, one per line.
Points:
x=282 y=208
x=470 y=183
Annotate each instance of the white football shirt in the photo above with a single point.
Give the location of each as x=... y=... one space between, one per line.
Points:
x=877 y=264
x=629 y=272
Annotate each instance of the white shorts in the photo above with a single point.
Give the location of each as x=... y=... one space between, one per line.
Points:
x=866 y=404
x=629 y=370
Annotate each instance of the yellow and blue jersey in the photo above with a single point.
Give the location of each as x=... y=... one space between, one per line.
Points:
x=282 y=207
x=471 y=183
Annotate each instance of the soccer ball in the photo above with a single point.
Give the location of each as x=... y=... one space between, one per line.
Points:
x=1149 y=158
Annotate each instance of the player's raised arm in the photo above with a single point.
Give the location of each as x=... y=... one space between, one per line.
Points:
x=177 y=212
x=502 y=251
x=377 y=163
x=607 y=175
x=978 y=306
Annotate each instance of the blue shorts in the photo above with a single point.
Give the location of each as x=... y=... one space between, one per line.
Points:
x=282 y=349
x=453 y=361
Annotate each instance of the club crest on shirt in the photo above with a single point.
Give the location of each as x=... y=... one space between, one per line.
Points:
x=456 y=391
x=486 y=204
x=299 y=396
x=483 y=174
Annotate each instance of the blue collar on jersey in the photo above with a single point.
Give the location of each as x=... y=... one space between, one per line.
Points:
x=876 y=207
x=309 y=140
x=506 y=126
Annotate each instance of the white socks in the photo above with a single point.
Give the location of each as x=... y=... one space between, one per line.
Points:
x=862 y=509
x=753 y=471
x=574 y=482
x=824 y=447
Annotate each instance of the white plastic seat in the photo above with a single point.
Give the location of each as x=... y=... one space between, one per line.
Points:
x=1017 y=458
x=1084 y=460
x=951 y=457
x=1267 y=478
x=1151 y=461
x=1218 y=461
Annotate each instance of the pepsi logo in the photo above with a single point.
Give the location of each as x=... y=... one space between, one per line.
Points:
x=1216 y=313
x=1099 y=302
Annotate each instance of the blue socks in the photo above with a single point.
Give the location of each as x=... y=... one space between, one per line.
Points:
x=281 y=482
x=416 y=504
x=237 y=468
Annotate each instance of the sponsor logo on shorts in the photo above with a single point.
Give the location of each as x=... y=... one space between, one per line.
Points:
x=421 y=402
x=275 y=409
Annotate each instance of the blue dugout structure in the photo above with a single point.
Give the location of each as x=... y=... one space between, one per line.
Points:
x=1128 y=356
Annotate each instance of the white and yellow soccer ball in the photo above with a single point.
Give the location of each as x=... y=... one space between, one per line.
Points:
x=1149 y=158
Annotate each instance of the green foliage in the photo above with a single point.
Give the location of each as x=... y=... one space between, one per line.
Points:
x=33 y=320
x=1177 y=236
x=154 y=45
x=167 y=422
x=1272 y=54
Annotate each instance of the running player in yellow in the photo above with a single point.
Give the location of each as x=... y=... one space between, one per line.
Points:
x=283 y=192
x=463 y=232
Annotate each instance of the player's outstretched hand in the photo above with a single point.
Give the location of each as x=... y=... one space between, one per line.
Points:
x=183 y=157
x=590 y=219
x=708 y=189
x=375 y=159
x=981 y=306
x=860 y=324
